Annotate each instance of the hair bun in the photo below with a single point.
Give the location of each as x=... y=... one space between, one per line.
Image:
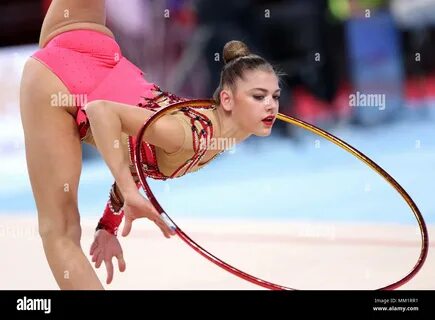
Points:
x=235 y=49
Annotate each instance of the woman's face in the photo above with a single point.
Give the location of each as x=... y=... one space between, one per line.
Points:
x=256 y=97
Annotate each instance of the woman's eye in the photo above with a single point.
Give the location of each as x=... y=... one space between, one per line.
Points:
x=277 y=97
x=259 y=97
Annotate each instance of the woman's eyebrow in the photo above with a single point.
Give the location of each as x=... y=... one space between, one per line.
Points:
x=265 y=90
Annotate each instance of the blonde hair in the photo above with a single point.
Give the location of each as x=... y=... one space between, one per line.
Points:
x=238 y=59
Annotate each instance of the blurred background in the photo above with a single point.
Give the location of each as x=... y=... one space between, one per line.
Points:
x=363 y=70
x=332 y=53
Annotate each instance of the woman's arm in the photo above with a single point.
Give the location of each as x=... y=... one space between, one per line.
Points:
x=107 y=121
x=113 y=212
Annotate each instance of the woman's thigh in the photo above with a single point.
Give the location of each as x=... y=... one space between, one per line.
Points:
x=53 y=151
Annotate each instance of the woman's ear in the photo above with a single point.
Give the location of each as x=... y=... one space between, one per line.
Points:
x=227 y=99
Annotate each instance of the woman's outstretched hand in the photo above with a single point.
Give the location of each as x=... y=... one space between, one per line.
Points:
x=136 y=206
x=104 y=248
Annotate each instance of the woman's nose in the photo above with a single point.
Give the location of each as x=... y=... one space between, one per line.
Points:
x=268 y=103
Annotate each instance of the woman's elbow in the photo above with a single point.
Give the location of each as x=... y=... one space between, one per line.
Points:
x=94 y=107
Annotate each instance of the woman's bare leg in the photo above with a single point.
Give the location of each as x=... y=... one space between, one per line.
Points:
x=65 y=15
x=53 y=153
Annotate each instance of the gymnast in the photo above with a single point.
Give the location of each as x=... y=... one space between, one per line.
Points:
x=78 y=56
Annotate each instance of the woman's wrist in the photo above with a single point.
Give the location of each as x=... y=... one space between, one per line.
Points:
x=125 y=183
x=131 y=193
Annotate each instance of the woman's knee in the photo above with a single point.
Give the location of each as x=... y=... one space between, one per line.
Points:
x=65 y=223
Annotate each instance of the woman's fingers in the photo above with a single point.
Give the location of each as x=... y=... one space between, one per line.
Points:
x=153 y=211
x=99 y=260
x=95 y=255
x=127 y=227
x=163 y=226
x=167 y=231
x=121 y=262
x=93 y=247
x=146 y=210
x=109 y=268
x=155 y=216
